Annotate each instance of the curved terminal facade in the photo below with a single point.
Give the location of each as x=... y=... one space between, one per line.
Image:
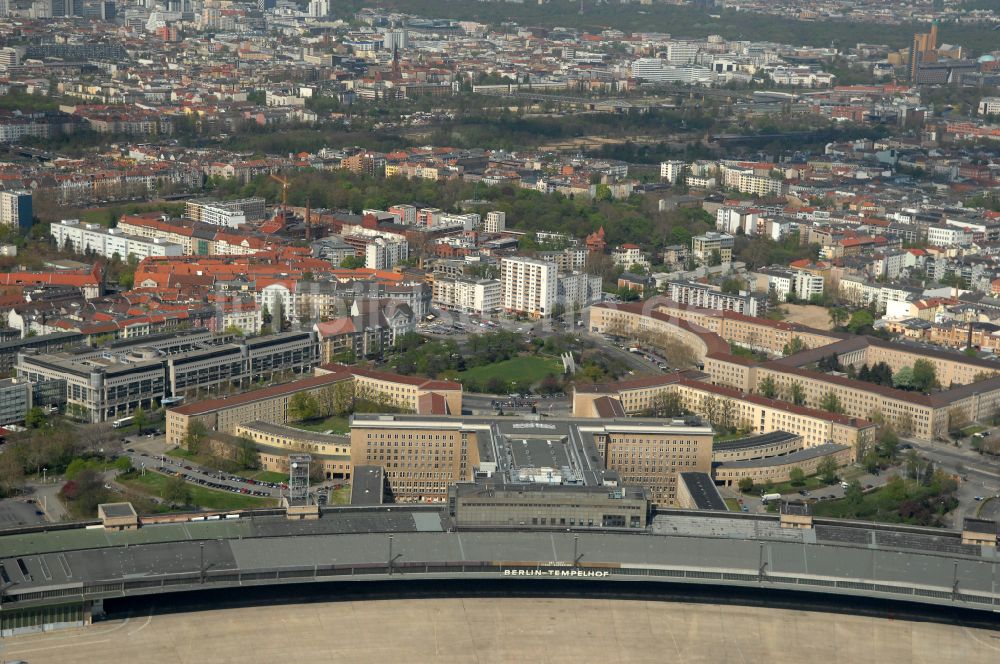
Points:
x=64 y=575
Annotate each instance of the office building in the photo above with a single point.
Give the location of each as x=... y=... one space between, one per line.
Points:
x=422 y=456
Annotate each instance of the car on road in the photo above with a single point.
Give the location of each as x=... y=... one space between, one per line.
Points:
x=978 y=498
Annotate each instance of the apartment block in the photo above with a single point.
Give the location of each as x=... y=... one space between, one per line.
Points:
x=529 y=286
x=16 y=208
x=495 y=222
x=107 y=242
x=704 y=247
x=473 y=296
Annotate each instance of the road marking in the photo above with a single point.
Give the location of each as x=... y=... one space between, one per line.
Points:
x=460 y=547
x=144 y=625
x=978 y=640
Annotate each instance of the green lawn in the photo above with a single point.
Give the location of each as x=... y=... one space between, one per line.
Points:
x=524 y=368
x=269 y=476
x=153 y=483
x=733 y=504
x=974 y=428
x=337 y=423
x=341 y=496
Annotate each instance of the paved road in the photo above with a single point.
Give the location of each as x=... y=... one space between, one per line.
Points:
x=16 y=512
x=981 y=475
x=212 y=479
x=500 y=630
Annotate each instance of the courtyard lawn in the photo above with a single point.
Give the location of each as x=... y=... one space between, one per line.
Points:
x=524 y=368
x=337 y=423
x=269 y=476
x=341 y=496
x=153 y=484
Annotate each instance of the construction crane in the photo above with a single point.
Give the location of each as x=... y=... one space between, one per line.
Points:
x=285 y=186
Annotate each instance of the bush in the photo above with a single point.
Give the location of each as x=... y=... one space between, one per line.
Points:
x=746 y=485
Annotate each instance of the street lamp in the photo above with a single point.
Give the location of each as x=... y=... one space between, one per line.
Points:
x=43 y=475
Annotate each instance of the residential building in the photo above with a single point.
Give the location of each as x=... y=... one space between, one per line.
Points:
x=472 y=296
x=16 y=209
x=496 y=222
x=706 y=248
x=108 y=242
x=529 y=286
x=671 y=171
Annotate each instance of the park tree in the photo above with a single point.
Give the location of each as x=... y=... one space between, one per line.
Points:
x=796 y=394
x=176 y=491
x=195 y=436
x=888 y=442
x=246 y=454
x=837 y=316
x=303 y=406
x=861 y=322
x=957 y=421
x=36 y=418
x=830 y=402
x=666 y=404
x=924 y=375
x=797 y=476
x=827 y=469
x=140 y=419
x=796 y=345
x=904 y=380
x=745 y=484
x=11 y=474
x=854 y=494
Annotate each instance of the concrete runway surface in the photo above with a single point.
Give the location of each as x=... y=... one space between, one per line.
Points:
x=506 y=630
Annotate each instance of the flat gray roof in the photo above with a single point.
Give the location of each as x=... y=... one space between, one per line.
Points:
x=367 y=485
x=703 y=491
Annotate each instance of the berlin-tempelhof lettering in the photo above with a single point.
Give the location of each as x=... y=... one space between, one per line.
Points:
x=556 y=572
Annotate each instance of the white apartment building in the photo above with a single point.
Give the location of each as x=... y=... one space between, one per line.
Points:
x=683 y=52
x=807 y=284
x=16 y=208
x=529 y=286
x=468 y=222
x=628 y=255
x=223 y=216
x=577 y=290
x=944 y=236
x=384 y=254
x=700 y=182
x=671 y=171
x=989 y=106
x=81 y=238
x=471 y=296
x=711 y=297
x=496 y=222
x=860 y=292
x=733 y=220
